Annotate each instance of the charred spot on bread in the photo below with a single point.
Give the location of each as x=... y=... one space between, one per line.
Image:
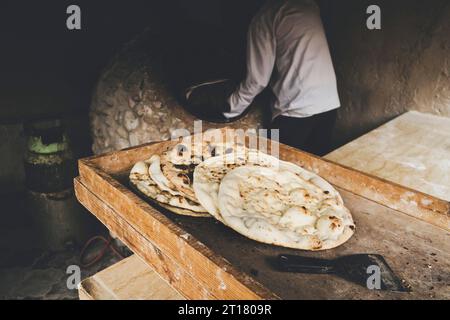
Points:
x=181 y=149
x=316 y=243
x=190 y=175
x=335 y=222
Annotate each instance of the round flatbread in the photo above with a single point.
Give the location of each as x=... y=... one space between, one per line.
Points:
x=208 y=175
x=279 y=206
x=141 y=180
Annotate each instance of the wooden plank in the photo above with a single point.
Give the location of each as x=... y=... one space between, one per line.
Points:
x=83 y=294
x=182 y=273
x=128 y=279
x=412 y=150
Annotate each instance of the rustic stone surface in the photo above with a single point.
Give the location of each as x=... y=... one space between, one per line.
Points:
x=135 y=103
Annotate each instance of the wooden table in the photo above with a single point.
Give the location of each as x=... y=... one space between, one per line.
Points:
x=418 y=246
x=412 y=150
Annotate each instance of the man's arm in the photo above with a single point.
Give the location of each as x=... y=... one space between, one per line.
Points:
x=260 y=63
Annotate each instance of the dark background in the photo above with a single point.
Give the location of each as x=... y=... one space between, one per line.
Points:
x=47 y=69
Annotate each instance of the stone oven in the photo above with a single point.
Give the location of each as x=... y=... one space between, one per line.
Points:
x=136 y=99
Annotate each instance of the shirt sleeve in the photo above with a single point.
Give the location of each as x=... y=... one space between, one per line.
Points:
x=260 y=63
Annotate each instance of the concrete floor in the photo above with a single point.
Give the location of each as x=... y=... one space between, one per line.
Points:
x=45 y=276
x=30 y=272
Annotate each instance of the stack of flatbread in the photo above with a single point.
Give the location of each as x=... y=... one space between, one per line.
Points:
x=259 y=196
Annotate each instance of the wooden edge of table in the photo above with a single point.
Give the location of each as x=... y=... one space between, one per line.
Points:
x=191 y=271
x=83 y=294
x=130 y=278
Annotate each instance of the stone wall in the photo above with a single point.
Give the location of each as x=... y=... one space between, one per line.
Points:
x=12 y=148
x=383 y=73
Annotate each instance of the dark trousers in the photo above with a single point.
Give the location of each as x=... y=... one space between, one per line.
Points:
x=312 y=134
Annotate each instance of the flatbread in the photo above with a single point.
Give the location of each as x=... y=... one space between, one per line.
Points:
x=208 y=175
x=178 y=164
x=159 y=178
x=199 y=147
x=279 y=206
x=142 y=181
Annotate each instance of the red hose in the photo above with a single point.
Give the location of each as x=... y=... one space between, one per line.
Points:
x=108 y=245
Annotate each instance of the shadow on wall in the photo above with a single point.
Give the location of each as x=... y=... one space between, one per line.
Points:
x=383 y=73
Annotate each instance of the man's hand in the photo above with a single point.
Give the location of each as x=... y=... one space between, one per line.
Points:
x=208 y=101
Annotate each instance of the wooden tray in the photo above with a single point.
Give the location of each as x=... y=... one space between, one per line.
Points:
x=203 y=259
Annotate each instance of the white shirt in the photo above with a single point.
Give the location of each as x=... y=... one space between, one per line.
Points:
x=287 y=46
